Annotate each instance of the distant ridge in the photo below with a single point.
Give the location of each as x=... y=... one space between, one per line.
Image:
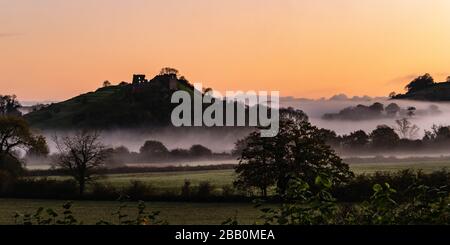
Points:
x=424 y=88
x=437 y=92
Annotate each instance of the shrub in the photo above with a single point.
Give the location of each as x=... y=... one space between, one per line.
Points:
x=205 y=190
x=45 y=188
x=11 y=165
x=6 y=182
x=227 y=191
x=138 y=190
x=104 y=191
x=360 y=187
x=302 y=206
x=49 y=216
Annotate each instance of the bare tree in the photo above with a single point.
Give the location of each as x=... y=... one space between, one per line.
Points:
x=80 y=155
x=406 y=129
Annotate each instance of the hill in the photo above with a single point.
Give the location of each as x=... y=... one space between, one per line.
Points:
x=141 y=102
x=436 y=92
x=424 y=88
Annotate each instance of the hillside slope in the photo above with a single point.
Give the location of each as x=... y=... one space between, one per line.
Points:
x=436 y=92
x=126 y=105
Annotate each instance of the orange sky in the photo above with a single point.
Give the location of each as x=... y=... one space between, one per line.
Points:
x=53 y=50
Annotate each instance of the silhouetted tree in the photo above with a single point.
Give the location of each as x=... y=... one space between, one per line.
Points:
x=106 y=84
x=420 y=83
x=329 y=136
x=168 y=71
x=80 y=156
x=199 y=151
x=180 y=153
x=117 y=156
x=437 y=134
x=297 y=151
x=358 y=112
x=15 y=135
x=39 y=148
x=257 y=163
x=153 y=149
x=9 y=105
x=384 y=137
x=392 y=109
x=357 y=139
x=377 y=107
x=294 y=115
x=10 y=166
x=121 y=150
x=442 y=132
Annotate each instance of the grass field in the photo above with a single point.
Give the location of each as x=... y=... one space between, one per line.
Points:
x=184 y=213
x=427 y=166
x=172 y=181
x=169 y=181
x=174 y=212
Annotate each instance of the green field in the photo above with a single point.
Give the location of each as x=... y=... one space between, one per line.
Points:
x=178 y=212
x=173 y=181
x=426 y=166
x=168 y=181
x=174 y=212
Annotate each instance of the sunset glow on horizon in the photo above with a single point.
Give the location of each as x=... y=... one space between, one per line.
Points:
x=54 y=50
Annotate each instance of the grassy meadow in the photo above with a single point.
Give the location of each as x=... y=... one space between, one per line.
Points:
x=172 y=181
x=183 y=212
x=426 y=166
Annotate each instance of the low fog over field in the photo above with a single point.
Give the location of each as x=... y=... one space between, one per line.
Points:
x=222 y=140
x=317 y=108
x=219 y=140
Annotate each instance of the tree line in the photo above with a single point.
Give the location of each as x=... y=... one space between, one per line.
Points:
x=402 y=137
x=80 y=155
